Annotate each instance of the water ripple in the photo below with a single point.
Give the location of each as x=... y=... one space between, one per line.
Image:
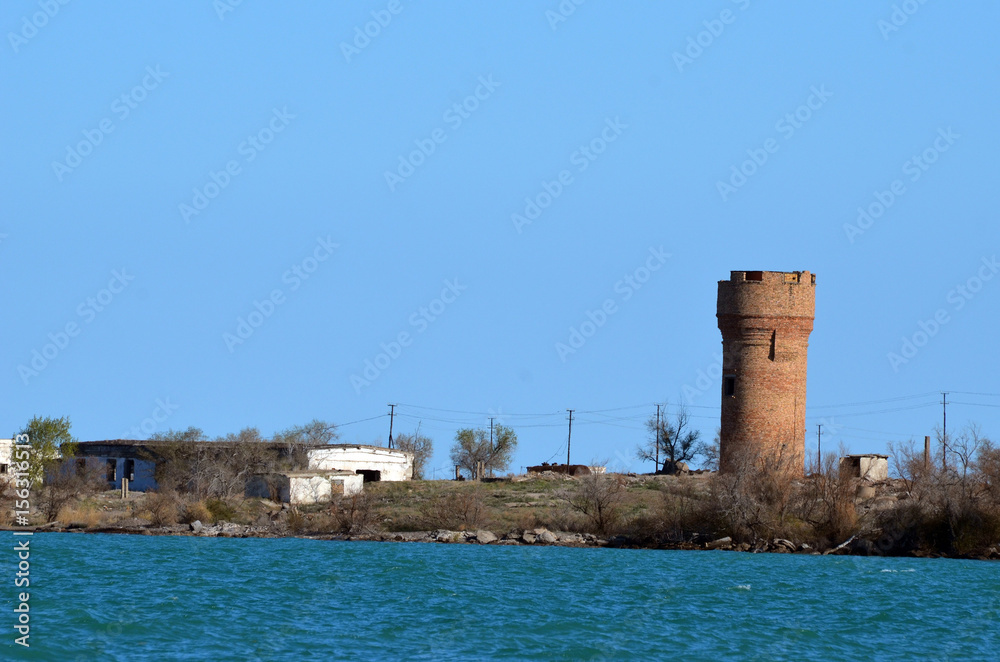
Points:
x=137 y=598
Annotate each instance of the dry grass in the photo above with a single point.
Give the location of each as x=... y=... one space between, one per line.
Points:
x=163 y=508
x=296 y=521
x=357 y=513
x=501 y=505
x=196 y=511
x=461 y=510
x=80 y=514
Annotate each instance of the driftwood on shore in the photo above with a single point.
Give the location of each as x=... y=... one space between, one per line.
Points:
x=841 y=545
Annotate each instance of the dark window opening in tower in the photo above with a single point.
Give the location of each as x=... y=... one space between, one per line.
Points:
x=729 y=386
x=770 y=353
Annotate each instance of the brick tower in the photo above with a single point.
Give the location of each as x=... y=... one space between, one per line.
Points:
x=765 y=318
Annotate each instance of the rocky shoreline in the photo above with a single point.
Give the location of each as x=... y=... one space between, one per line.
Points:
x=539 y=537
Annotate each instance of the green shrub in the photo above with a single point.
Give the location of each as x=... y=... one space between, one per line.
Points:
x=220 y=510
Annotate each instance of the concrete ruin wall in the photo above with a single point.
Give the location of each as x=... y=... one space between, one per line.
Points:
x=874 y=468
x=303 y=487
x=765 y=318
x=309 y=489
x=568 y=469
x=142 y=477
x=7 y=460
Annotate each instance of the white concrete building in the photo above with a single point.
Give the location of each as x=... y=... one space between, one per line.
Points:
x=6 y=459
x=304 y=487
x=373 y=462
x=870 y=467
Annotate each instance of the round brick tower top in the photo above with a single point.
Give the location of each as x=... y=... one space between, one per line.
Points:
x=768 y=294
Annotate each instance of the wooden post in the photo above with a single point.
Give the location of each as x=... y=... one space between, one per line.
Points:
x=458 y=472
x=927 y=453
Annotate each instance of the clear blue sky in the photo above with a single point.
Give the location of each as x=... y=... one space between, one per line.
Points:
x=626 y=123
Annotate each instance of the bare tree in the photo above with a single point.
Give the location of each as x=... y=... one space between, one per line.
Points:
x=964 y=448
x=988 y=471
x=909 y=464
x=827 y=501
x=421 y=446
x=313 y=433
x=191 y=434
x=356 y=513
x=754 y=496
x=672 y=442
x=601 y=498
x=66 y=481
x=951 y=503
x=220 y=468
x=298 y=439
x=710 y=451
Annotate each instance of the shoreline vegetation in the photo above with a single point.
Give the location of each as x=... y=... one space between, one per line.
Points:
x=929 y=513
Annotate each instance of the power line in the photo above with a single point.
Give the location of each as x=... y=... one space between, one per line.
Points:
x=480 y=413
x=340 y=425
x=623 y=418
x=886 y=411
x=617 y=425
x=555 y=454
x=598 y=411
x=874 y=402
x=891 y=434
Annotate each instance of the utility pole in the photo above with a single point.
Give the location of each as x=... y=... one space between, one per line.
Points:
x=944 y=430
x=656 y=467
x=392 y=412
x=570 y=437
x=819 y=447
x=491 y=445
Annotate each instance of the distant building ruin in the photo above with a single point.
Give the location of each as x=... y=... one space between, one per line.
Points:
x=871 y=467
x=765 y=318
x=567 y=469
x=6 y=460
x=319 y=469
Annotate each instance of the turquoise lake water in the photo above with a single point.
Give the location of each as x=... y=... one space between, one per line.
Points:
x=117 y=597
